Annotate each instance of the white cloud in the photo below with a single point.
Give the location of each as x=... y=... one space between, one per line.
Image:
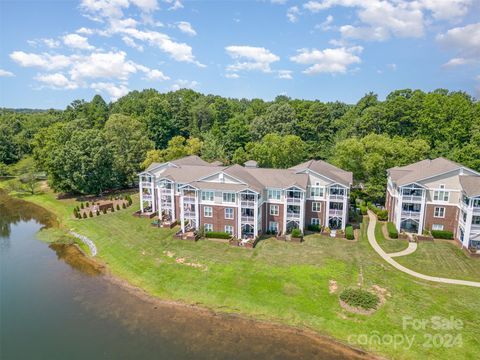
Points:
x=382 y=19
x=76 y=41
x=392 y=67
x=130 y=42
x=250 y=58
x=175 y=4
x=464 y=41
x=326 y=25
x=285 y=74
x=186 y=28
x=155 y=75
x=50 y=43
x=328 y=60
x=115 y=91
x=44 y=61
x=85 y=31
x=293 y=13
x=56 y=81
x=278 y=2
x=232 y=76
x=5 y=73
x=103 y=65
x=184 y=84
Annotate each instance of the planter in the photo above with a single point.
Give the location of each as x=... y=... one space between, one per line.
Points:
x=340 y=236
x=327 y=234
x=403 y=236
x=424 y=237
x=296 y=239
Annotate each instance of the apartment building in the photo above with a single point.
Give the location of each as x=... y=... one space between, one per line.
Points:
x=245 y=201
x=436 y=194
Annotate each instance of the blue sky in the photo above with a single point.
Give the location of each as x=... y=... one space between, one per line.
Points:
x=53 y=52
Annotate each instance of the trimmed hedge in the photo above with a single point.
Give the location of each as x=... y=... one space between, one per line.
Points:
x=349 y=232
x=312 y=227
x=442 y=234
x=296 y=233
x=217 y=235
x=392 y=230
x=360 y=298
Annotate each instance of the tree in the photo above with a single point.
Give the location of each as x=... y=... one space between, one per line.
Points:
x=279 y=118
x=277 y=151
x=177 y=147
x=235 y=134
x=212 y=148
x=128 y=144
x=159 y=119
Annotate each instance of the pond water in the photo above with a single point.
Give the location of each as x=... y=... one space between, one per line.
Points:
x=53 y=307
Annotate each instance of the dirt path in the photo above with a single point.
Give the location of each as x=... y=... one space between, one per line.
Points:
x=388 y=258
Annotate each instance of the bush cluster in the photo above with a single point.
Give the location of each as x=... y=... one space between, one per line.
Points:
x=360 y=298
x=312 y=227
x=217 y=235
x=296 y=233
x=392 y=230
x=382 y=215
x=442 y=234
x=349 y=232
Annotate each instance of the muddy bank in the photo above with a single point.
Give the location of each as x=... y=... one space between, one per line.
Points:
x=76 y=258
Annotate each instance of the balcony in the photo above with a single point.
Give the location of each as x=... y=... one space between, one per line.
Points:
x=248 y=219
x=293 y=200
x=410 y=214
x=412 y=198
x=476 y=211
x=146 y=184
x=247 y=203
x=336 y=197
x=475 y=228
x=189 y=214
x=146 y=197
x=189 y=199
x=335 y=212
x=293 y=215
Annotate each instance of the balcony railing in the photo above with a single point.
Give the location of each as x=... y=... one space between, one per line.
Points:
x=293 y=215
x=247 y=203
x=335 y=212
x=411 y=214
x=146 y=184
x=476 y=211
x=147 y=197
x=412 y=198
x=248 y=219
x=293 y=200
x=336 y=197
x=189 y=199
x=189 y=213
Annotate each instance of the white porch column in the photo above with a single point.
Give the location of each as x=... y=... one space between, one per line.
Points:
x=468 y=225
x=284 y=230
x=421 y=221
x=239 y=220
x=197 y=210
x=172 y=195
x=255 y=216
x=159 y=199
x=302 y=212
x=152 y=189
x=141 y=194
x=327 y=207
x=398 y=214
x=182 y=216
x=345 y=212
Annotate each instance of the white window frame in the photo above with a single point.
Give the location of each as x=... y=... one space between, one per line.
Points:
x=208 y=227
x=314 y=203
x=209 y=198
x=232 y=213
x=205 y=211
x=274 y=210
x=438 y=227
x=441 y=194
x=274 y=194
x=229 y=195
x=315 y=221
x=273 y=228
x=229 y=229
x=315 y=189
x=437 y=210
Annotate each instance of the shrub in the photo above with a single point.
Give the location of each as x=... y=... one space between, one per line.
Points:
x=217 y=235
x=349 y=232
x=392 y=230
x=98 y=213
x=296 y=233
x=90 y=214
x=363 y=209
x=81 y=206
x=112 y=209
x=124 y=206
x=442 y=234
x=104 y=210
x=84 y=215
x=360 y=298
x=118 y=207
x=312 y=227
x=88 y=204
x=327 y=229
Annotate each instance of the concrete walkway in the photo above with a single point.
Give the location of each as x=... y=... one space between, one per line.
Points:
x=412 y=246
x=388 y=259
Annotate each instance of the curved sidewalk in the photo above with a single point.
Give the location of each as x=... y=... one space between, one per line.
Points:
x=388 y=258
x=412 y=246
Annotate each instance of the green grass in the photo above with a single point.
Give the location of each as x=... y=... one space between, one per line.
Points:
x=279 y=281
x=442 y=258
x=389 y=245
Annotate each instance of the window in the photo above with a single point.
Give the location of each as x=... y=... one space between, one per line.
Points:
x=228 y=213
x=316 y=191
x=228 y=197
x=274 y=210
x=274 y=194
x=207 y=211
x=207 y=195
x=229 y=229
x=315 y=206
x=475 y=220
x=439 y=212
x=273 y=226
x=315 y=221
x=437 y=227
x=441 y=195
x=208 y=227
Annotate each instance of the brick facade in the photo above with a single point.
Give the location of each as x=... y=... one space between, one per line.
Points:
x=309 y=213
x=218 y=217
x=277 y=218
x=449 y=222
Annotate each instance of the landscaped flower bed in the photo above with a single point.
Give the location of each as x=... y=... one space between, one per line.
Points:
x=97 y=207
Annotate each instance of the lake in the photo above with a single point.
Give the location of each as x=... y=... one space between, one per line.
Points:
x=53 y=306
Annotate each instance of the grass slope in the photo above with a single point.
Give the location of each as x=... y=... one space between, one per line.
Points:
x=279 y=281
x=389 y=245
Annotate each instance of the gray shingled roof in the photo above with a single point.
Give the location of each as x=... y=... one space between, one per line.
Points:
x=278 y=178
x=330 y=171
x=190 y=160
x=470 y=184
x=421 y=170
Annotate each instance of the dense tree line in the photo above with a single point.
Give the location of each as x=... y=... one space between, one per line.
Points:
x=93 y=146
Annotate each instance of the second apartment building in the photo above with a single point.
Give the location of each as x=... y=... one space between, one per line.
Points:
x=246 y=201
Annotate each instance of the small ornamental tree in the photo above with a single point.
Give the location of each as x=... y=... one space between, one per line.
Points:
x=112 y=209
x=88 y=204
x=90 y=214
x=118 y=207
x=98 y=213
x=81 y=206
x=124 y=206
x=104 y=210
x=84 y=215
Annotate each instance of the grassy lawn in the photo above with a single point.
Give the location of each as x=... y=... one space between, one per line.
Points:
x=441 y=258
x=284 y=282
x=389 y=245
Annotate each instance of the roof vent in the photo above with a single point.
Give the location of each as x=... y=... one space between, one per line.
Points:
x=251 y=164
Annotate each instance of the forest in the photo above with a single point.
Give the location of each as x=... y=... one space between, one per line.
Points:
x=92 y=147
